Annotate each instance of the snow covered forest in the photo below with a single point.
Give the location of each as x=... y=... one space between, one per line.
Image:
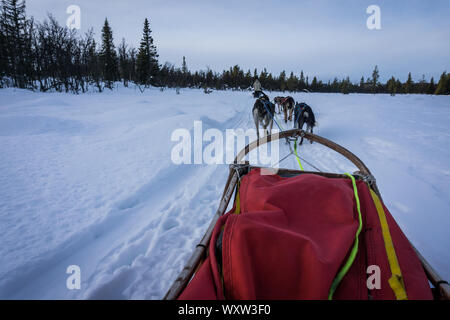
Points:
x=47 y=56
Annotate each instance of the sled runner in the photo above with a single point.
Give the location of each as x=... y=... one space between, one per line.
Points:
x=304 y=235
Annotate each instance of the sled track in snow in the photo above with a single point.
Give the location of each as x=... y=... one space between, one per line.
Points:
x=142 y=267
x=156 y=248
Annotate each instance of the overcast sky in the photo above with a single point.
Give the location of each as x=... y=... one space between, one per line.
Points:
x=322 y=37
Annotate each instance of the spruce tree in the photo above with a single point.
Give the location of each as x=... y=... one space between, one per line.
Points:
x=263 y=78
x=108 y=56
x=302 y=84
x=442 y=84
x=345 y=85
x=375 y=77
x=361 y=84
x=282 y=81
x=184 y=67
x=147 y=59
x=421 y=86
x=292 y=82
x=391 y=86
x=431 y=87
x=408 y=84
x=398 y=86
x=270 y=82
x=248 y=80
x=184 y=73
x=314 y=84
x=335 y=85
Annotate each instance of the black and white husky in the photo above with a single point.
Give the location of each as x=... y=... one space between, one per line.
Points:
x=304 y=114
x=263 y=112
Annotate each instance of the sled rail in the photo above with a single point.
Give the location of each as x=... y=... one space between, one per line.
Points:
x=201 y=248
x=442 y=288
x=296 y=133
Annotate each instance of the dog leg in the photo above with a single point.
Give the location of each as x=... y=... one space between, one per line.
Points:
x=255 y=118
x=265 y=128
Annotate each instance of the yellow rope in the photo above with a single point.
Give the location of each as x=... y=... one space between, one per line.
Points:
x=396 y=280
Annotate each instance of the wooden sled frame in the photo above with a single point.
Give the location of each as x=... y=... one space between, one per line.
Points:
x=240 y=167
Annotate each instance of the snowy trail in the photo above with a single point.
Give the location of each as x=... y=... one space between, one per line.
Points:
x=163 y=245
x=162 y=219
x=88 y=180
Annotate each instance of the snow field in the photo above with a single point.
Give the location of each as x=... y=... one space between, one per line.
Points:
x=88 y=180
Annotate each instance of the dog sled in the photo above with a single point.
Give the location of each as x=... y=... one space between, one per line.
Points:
x=304 y=235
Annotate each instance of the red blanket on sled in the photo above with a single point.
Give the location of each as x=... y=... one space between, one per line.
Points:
x=291 y=239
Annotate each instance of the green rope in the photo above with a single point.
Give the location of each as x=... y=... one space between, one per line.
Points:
x=296 y=155
x=354 y=251
x=295 y=143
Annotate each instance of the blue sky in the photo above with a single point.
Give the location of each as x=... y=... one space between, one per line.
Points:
x=324 y=38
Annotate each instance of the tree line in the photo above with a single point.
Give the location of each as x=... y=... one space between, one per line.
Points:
x=48 y=56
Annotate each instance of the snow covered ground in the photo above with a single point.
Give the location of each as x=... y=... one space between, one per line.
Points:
x=88 y=180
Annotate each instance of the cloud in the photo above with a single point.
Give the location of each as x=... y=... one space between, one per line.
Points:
x=328 y=38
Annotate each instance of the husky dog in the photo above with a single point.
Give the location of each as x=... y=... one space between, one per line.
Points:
x=263 y=112
x=278 y=101
x=288 y=105
x=304 y=114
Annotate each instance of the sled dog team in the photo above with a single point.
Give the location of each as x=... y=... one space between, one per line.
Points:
x=264 y=112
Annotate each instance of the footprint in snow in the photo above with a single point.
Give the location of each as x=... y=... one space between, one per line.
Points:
x=170 y=224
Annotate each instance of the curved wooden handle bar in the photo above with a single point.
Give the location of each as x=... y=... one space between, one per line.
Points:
x=298 y=133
